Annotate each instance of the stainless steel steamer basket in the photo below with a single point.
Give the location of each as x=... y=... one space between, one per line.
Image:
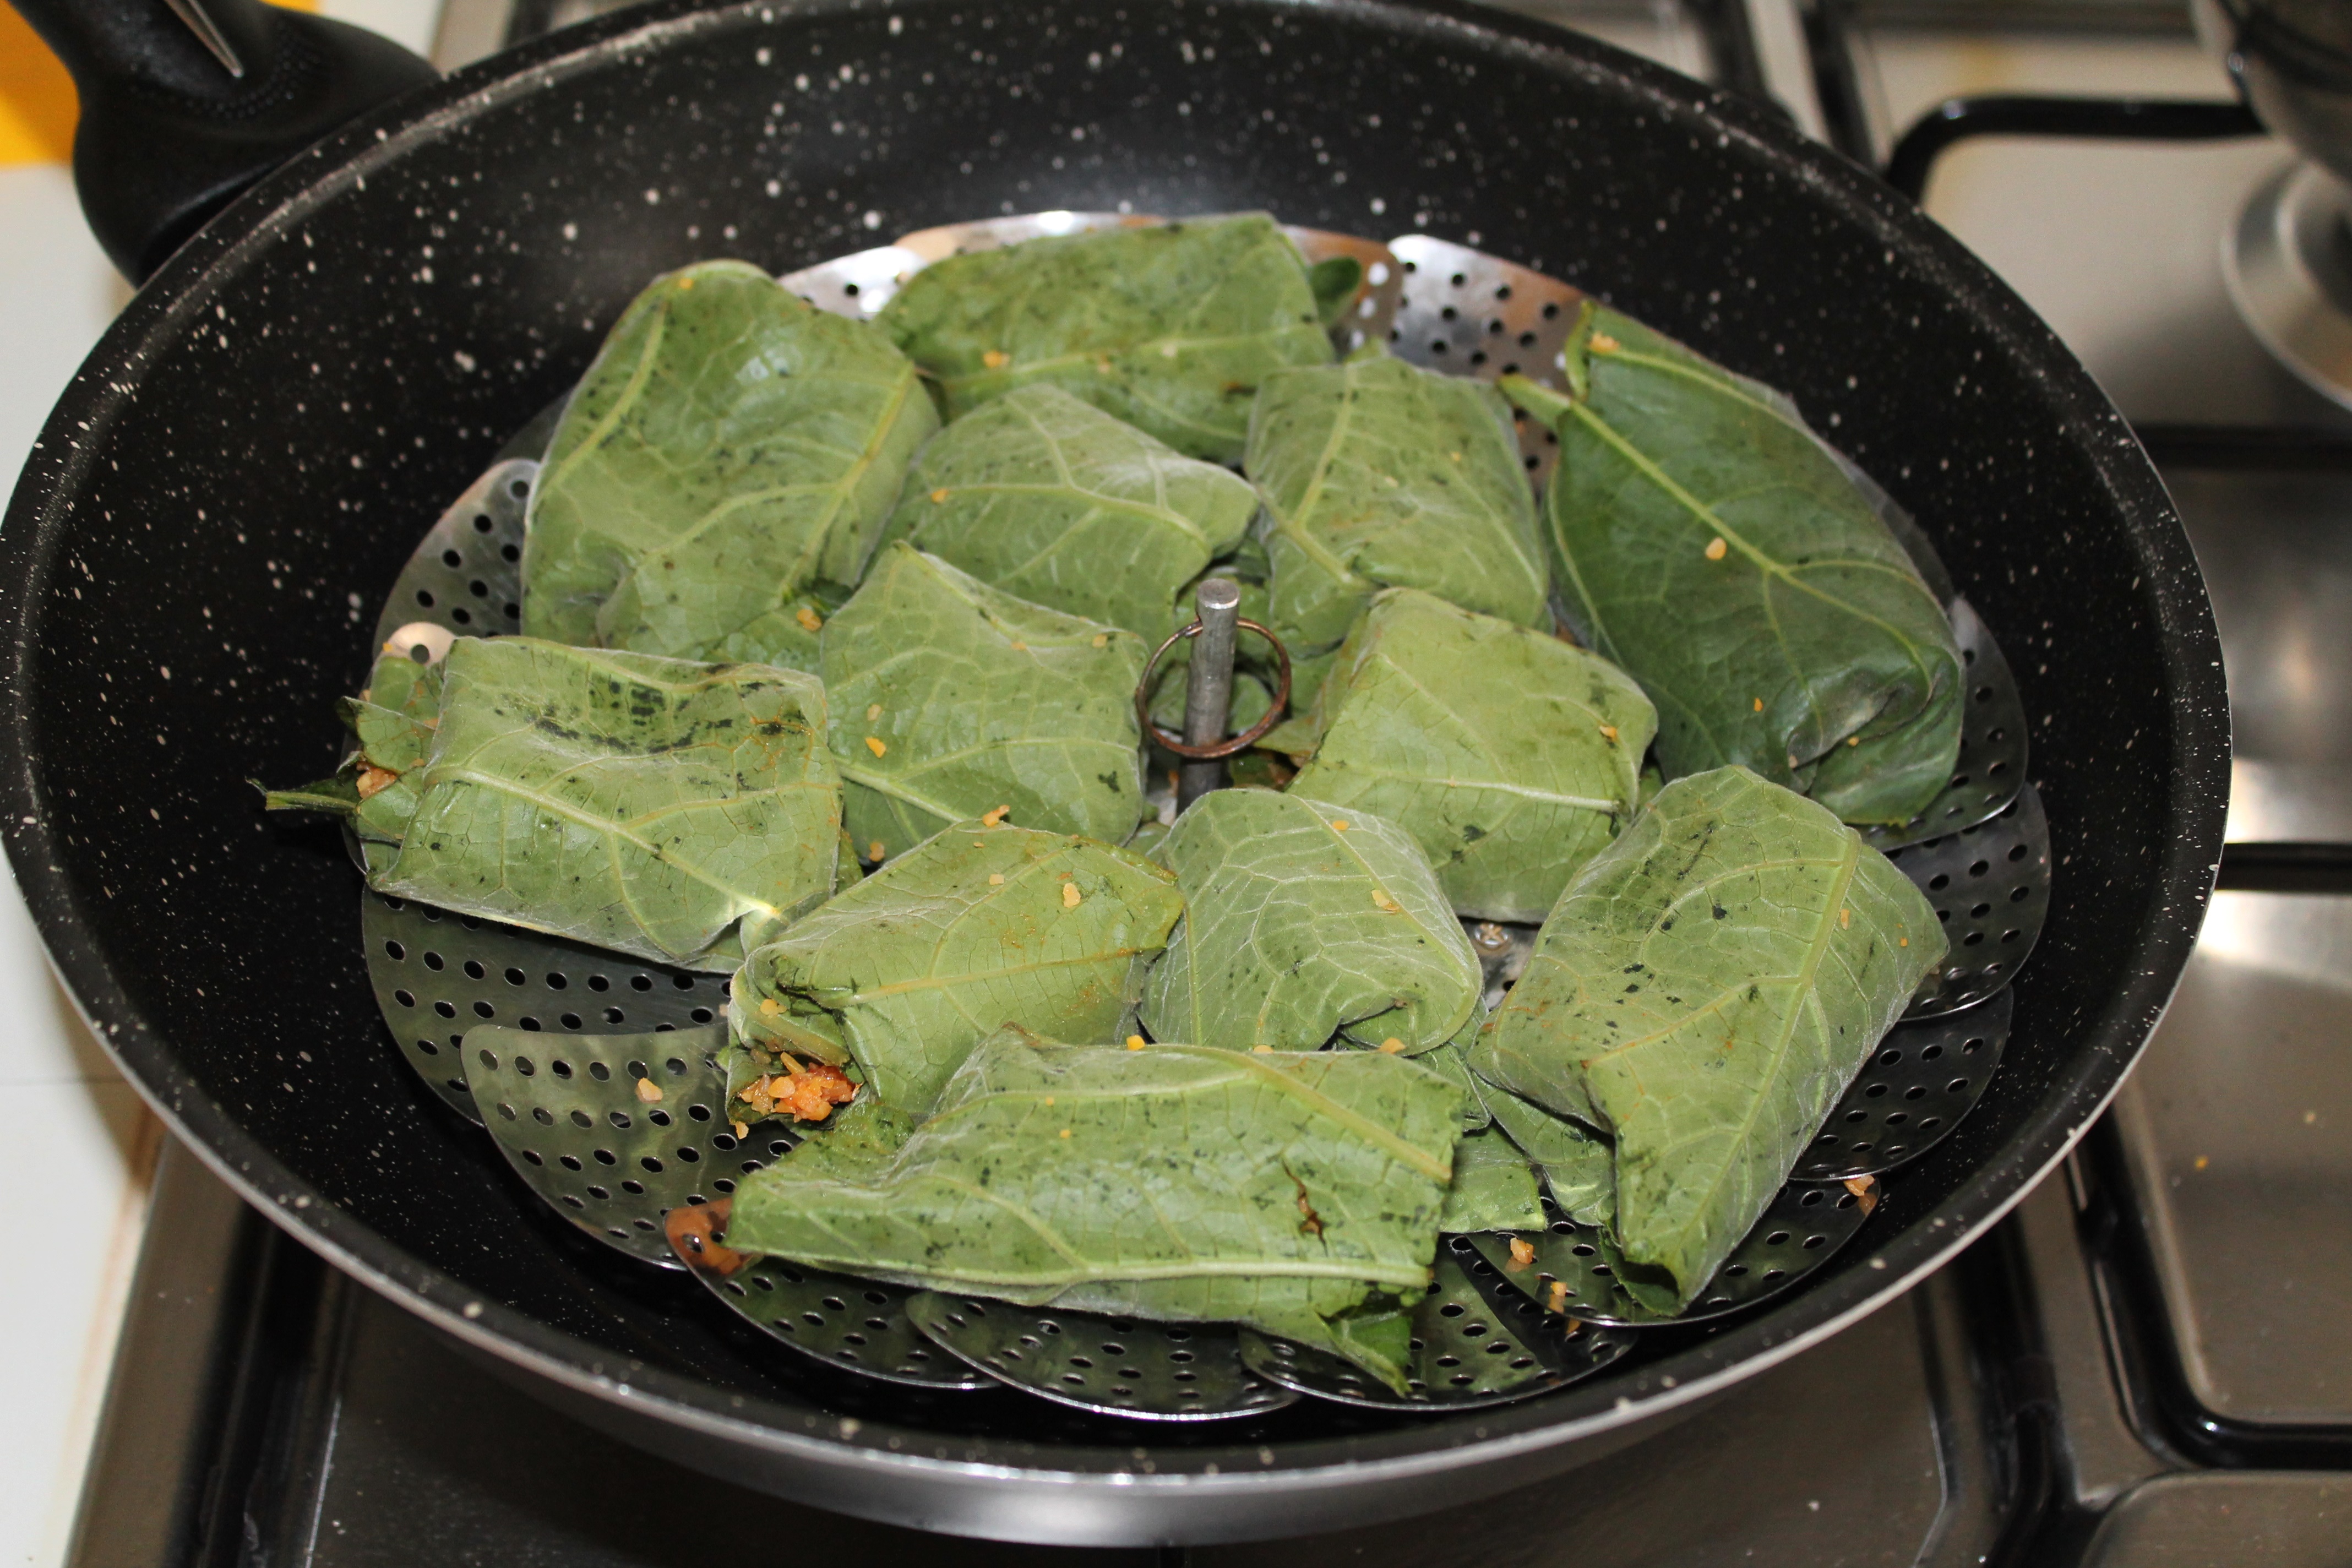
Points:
x=250 y=454
x=600 y=1079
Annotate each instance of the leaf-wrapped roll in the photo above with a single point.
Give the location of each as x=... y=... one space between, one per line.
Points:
x=730 y=446
x=1705 y=990
x=635 y=802
x=1055 y=501
x=1178 y=1182
x=1510 y=757
x=1706 y=540
x=1301 y=920
x=950 y=699
x=1378 y=475
x=1169 y=327
x=903 y=974
x=376 y=789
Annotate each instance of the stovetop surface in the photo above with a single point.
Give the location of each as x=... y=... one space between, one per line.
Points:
x=2144 y=1367
x=340 y=1432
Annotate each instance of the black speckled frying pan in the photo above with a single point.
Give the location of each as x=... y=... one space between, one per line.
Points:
x=192 y=562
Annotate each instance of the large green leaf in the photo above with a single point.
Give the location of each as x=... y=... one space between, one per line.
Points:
x=1707 y=542
x=1055 y=502
x=1378 y=475
x=1178 y=1183
x=950 y=699
x=730 y=446
x=1705 y=991
x=1169 y=327
x=1510 y=757
x=1302 y=920
x=636 y=803
x=903 y=974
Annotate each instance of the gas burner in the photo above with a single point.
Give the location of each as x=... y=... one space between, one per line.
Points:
x=2288 y=264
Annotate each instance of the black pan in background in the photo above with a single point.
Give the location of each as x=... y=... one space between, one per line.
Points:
x=202 y=538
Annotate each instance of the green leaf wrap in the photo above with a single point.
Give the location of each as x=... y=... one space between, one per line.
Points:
x=640 y=803
x=906 y=971
x=1055 y=501
x=1302 y=921
x=1378 y=475
x=1180 y=1183
x=394 y=724
x=393 y=721
x=1706 y=988
x=1169 y=327
x=1509 y=756
x=1706 y=540
x=977 y=699
x=730 y=446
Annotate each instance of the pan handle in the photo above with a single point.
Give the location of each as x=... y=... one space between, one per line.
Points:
x=185 y=103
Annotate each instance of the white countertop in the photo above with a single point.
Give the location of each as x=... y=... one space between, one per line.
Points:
x=79 y=1136
x=80 y=1143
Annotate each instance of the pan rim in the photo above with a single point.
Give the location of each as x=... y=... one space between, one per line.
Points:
x=39 y=518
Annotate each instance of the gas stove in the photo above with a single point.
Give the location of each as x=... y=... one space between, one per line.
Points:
x=2144 y=1365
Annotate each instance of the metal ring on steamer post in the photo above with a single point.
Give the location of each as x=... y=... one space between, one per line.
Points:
x=1215 y=750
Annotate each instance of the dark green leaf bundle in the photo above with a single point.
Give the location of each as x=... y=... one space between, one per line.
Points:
x=1378 y=475
x=1178 y=1183
x=950 y=699
x=731 y=446
x=1053 y=500
x=1303 y=920
x=1509 y=756
x=1169 y=327
x=1705 y=991
x=982 y=926
x=1706 y=540
x=640 y=803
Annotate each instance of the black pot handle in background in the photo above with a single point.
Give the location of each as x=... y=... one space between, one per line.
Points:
x=185 y=103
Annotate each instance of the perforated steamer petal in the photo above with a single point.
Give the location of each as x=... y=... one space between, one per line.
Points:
x=1441 y=306
x=614 y=1130
x=1923 y=1078
x=1573 y=1268
x=858 y=1325
x=1114 y=1366
x=1474 y=1343
x=439 y=976
x=1989 y=884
